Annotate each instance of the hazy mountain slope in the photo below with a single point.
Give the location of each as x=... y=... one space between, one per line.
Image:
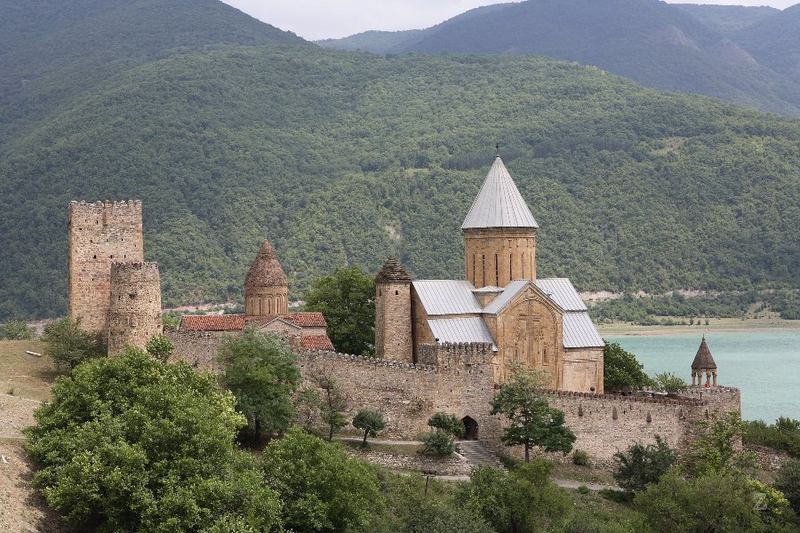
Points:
x=775 y=41
x=343 y=158
x=728 y=19
x=651 y=42
x=377 y=42
x=54 y=50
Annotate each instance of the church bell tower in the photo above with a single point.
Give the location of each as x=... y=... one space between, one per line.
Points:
x=499 y=233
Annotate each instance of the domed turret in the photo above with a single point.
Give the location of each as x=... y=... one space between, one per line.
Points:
x=266 y=290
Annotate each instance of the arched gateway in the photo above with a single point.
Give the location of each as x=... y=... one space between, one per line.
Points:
x=471 y=427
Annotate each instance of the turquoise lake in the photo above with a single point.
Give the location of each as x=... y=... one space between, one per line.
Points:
x=765 y=365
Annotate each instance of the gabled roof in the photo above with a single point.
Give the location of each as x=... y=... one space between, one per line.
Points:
x=563 y=293
x=579 y=331
x=466 y=330
x=447 y=297
x=499 y=203
x=502 y=300
x=266 y=270
x=316 y=342
x=703 y=360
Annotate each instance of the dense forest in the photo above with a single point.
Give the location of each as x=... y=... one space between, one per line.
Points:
x=749 y=56
x=344 y=158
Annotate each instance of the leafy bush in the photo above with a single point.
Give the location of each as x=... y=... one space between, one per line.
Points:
x=783 y=435
x=68 y=344
x=160 y=347
x=580 y=458
x=449 y=424
x=130 y=444
x=370 y=422
x=669 y=382
x=640 y=465
x=438 y=444
x=261 y=371
x=16 y=330
x=788 y=482
x=583 y=489
x=521 y=500
x=622 y=371
x=717 y=449
x=321 y=487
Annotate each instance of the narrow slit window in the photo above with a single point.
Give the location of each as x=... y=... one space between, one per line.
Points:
x=496 y=270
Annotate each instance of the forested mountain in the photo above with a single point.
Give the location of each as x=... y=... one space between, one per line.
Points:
x=344 y=158
x=728 y=19
x=775 y=41
x=654 y=43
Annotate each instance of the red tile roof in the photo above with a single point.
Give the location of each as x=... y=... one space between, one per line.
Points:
x=316 y=342
x=238 y=322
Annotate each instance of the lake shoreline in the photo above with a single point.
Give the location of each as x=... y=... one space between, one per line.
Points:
x=715 y=325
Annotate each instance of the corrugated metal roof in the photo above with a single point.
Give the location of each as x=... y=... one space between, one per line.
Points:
x=562 y=293
x=502 y=300
x=447 y=297
x=579 y=331
x=499 y=203
x=461 y=330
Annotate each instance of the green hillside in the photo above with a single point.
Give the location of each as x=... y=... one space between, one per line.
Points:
x=344 y=158
x=775 y=41
x=728 y=19
x=657 y=44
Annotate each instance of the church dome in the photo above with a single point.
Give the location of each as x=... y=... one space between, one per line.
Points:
x=266 y=270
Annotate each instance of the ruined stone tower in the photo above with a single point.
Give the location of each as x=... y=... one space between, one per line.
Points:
x=266 y=290
x=499 y=233
x=135 y=305
x=100 y=234
x=393 y=319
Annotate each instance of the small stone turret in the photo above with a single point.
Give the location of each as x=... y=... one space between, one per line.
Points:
x=266 y=289
x=393 y=330
x=135 y=305
x=704 y=364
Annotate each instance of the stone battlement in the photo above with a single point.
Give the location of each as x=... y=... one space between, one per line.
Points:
x=106 y=204
x=452 y=355
x=364 y=360
x=693 y=402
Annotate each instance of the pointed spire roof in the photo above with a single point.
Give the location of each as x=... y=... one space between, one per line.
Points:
x=266 y=270
x=703 y=360
x=392 y=272
x=499 y=204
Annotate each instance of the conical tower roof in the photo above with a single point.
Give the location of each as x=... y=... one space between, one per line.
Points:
x=703 y=360
x=266 y=270
x=499 y=204
x=392 y=272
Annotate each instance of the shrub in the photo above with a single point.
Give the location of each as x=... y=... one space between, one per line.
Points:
x=130 y=444
x=370 y=422
x=438 y=444
x=583 y=489
x=668 y=382
x=160 y=347
x=788 y=482
x=447 y=423
x=783 y=435
x=68 y=344
x=580 y=458
x=321 y=487
x=16 y=330
x=642 y=465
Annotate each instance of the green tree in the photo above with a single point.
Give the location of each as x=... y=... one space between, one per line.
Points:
x=321 y=487
x=160 y=347
x=16 y=330
x=67 y=344
x=640 y=465
x=717 y=447
x=788 y=482
x=716 y=502
x=669 y=382
x=439 y=442
x=261 y=371
x=370 y=422
x=347 y=299
x=521 y=501
x=130 y=444
x=532 y=421
x=621 y=370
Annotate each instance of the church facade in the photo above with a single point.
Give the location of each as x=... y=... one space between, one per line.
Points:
x=539 y=323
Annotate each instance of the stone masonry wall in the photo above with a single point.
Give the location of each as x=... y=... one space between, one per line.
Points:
x=393 y=333
x=99 y=234
x=135 y=305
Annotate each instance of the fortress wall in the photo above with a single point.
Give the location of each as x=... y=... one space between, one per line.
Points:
x=197 y=348
x=134 y=315
x=100 y=233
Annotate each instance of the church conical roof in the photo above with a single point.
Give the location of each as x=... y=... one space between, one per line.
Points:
x=499 y=204
x=392 y=272
x=703 y=360
x=266 y=270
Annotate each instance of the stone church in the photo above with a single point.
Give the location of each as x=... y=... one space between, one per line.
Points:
x=541 y=323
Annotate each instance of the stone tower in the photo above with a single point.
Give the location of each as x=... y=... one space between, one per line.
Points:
x=266 y=290
x=99 y=234
x=499 y=233
x=704 y=364
x=134 y=306
x=393 y=333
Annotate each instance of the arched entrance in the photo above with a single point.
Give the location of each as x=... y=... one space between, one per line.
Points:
x=471 y=427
